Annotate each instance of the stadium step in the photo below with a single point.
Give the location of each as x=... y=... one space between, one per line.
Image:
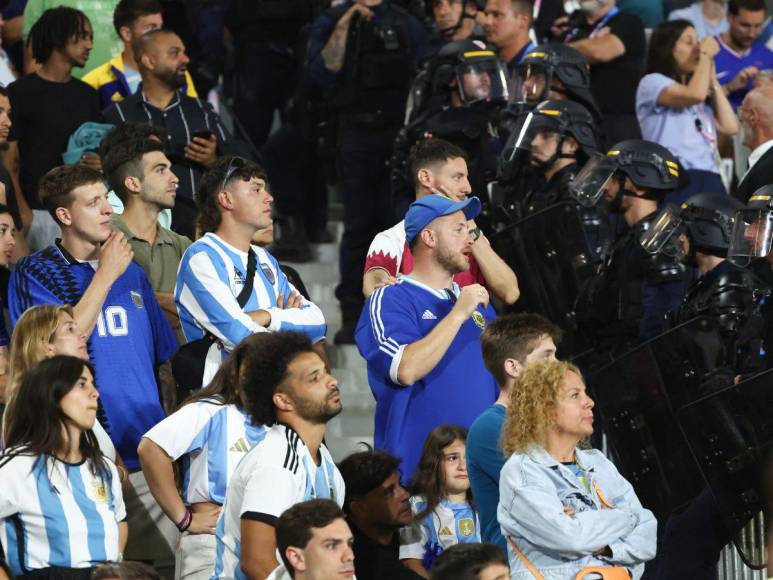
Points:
x=354 y=425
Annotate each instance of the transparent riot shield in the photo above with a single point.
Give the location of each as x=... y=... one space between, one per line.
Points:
x=730 y=434
x=549 y=252
x=636 y=396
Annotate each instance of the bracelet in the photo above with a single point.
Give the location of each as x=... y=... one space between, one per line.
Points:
x=186 y=521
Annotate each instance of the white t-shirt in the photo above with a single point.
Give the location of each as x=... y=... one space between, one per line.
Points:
x=275 y=475
x=57 y=514
x=212 y=438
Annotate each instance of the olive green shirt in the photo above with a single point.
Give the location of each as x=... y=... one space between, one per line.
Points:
x=161 y=260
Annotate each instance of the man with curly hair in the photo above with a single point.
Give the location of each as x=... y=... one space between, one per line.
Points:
x=295 y=396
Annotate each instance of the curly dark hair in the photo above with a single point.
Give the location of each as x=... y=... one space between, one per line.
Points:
x=55 y=28
x=429 y=480
x=264 y=368
x=466 y=561
x=211 y=183
x=364 y=471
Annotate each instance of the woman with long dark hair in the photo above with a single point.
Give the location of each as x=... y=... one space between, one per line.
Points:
x=444 y=513
x=61 y=506
x=681 y=105
x=210 y=433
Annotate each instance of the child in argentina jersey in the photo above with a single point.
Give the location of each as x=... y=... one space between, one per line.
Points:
x=211 y=276
x=443 y=507
x=275 y=475
x=54 y=513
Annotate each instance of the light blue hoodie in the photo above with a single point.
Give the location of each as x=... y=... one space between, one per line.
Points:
x=534 y=489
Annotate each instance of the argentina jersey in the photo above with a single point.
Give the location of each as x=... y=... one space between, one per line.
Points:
x=57 y=514
x=448 y=524
x=211 y=275
x=130 y=340
x=275 y=475
x=212 y=439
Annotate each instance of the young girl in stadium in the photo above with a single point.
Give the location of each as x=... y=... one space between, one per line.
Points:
x=40 y=333
x=565 y=511
x=210 y=432
x=61 y=506
x=442 y=503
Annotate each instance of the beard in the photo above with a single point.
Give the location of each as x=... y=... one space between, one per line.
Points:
x=318 y=412
x=451 y=262
x=174 y=79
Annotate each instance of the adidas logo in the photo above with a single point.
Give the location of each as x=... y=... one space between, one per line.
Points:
x=240 y=446
x=428 y=316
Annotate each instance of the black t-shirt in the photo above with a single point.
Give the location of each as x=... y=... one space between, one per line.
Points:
x=374 y=561
x=614 y=83
x=44 y=115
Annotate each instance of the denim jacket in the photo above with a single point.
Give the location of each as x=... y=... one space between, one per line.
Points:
x=534 y=489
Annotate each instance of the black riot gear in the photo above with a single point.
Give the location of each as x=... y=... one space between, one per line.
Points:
x=451 y=30
x=648 y=165
x=535 y=76
x=753 y=228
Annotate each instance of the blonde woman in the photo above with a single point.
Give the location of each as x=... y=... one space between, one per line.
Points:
x=565 y=511
x=40 y=333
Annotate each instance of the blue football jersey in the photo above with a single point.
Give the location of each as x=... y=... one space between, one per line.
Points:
x=130 y=340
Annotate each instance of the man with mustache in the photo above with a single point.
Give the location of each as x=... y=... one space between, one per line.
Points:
x=295 y=397
x=196 y=135
x=421 y=335
x=47 y=106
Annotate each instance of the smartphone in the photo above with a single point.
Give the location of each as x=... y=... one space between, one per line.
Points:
x=203 y=134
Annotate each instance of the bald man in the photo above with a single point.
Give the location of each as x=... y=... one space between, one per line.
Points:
x=756 y=116
x=196 y=134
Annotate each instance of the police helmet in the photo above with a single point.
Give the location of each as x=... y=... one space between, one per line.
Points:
x=475 y=67
x=706 y=218
x=648 y=165
x=533 y=78
x=753 y=228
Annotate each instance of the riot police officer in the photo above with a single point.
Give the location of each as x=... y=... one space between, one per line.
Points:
x=730 y=294
x=451 y=20
x=752 y=246
x=365 y=53
x=628 y=300
x=455 y=98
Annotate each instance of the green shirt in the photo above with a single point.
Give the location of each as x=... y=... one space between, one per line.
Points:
x=100 y=12
x=159 y=261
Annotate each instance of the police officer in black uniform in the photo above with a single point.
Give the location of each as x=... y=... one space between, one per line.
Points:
x=728 y=293
x=628 y=300
x=451 y=20
x=456 y=98
x=752 y=247
x=365 y=54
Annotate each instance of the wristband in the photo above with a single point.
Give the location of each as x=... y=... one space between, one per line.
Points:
x=186 y=521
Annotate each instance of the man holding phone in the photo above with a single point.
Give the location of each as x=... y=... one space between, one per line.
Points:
x=195 y=133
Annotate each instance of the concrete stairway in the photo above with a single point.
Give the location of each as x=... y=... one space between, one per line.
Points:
x=355 y=423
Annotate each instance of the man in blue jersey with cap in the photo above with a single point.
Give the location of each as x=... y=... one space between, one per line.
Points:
x=421 y=336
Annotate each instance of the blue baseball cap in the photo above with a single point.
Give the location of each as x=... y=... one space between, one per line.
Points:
x=424 y=210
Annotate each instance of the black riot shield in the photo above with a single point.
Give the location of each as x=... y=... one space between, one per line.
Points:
x=636 y=396
x=550 y=254
x=730 y=433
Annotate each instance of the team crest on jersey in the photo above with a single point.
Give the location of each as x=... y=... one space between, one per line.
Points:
x=466 y=527
x=137 y=299
x=478 y=319
x=268 y=272
x=238 y=278
x=100 y=491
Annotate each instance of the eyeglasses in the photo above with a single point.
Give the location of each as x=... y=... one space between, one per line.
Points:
x=234 y=165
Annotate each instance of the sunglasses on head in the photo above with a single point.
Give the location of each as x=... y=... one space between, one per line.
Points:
x=234 y=165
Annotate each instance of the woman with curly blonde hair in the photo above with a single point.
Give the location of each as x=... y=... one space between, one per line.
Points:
x=566 y=512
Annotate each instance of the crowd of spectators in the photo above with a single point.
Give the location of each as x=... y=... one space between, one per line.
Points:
x=164 y=380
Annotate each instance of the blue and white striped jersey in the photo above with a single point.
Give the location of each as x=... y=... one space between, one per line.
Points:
x=448 y=524
x=275 y=475
x=212 y=439
x=57 y=514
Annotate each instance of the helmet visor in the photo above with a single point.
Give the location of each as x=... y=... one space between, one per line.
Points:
x=530 y=84
x=662 y=234
x=592 y=180
x=752 y=235
x=481 y=81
